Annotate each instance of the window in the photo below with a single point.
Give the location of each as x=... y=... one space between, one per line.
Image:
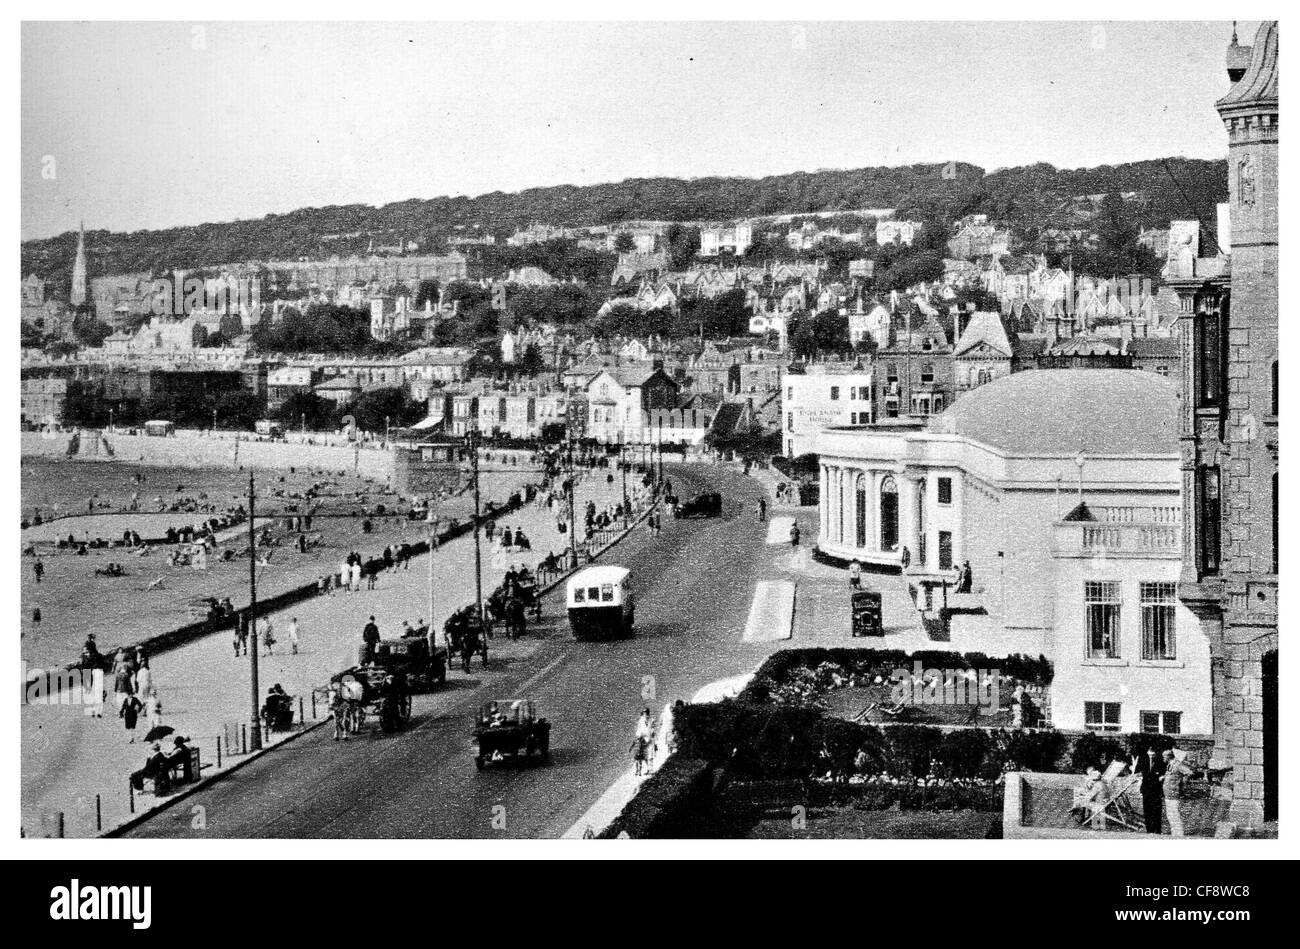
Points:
x=789 y=392
x=593 y=594
x=927 y=373
x=1162 y=370
x=579 y=595
x=1207 y=518
x=891 y=373
x=789 y=421
x=860 y=511
x=1165 y=723
x=1157 y=601
x=607 y=593
x=1101 y=716
x=1210 y=359
x=945 y=490
x=1101 y=606
x=835 y=393
x=888 y=514
x=945 y=550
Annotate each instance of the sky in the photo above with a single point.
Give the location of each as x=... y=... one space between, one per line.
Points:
x=144 y=125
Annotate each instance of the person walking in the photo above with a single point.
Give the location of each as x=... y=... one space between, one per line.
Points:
x=794 y=535
x=1175 y=771
x=129 y=714
x=268 y=635
x=370 y=578
x=123 y=681
x=144 y=678
x=39 y=569
x=356 y=575
x=369 y=639
x=153 y=709
x=293 y=635
x=762 y=510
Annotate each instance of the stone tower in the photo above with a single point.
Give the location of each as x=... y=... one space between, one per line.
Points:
x=1229 y=327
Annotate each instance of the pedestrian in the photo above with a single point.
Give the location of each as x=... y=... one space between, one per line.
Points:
x=1151 y=766
x=369 y=639
x=906 y=557
x=268 y=635
x=153 y=710
x=388 y=557
x=794 y=535
x=855 y=575
x=293 y=635
x=370 y=578
x=345 y=572
x=356 y=575
x=1175 y=770
x=762 y=510
x=123 y=680
x=130 y=713
x=39 y=569
x=143 y=678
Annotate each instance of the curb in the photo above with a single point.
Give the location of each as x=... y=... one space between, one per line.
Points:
x=202 y=783
x=197 y=786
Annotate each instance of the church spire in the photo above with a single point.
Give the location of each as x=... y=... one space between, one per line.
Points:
x=78 y=295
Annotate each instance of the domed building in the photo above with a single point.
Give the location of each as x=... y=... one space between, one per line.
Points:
x=1059 y=490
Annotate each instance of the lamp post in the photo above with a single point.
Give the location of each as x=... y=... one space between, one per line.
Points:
x=1078 y=463
x=433 y=531
x=478 y=555
x=254 y=727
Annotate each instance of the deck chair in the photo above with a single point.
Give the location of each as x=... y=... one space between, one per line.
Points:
x=1106 y=799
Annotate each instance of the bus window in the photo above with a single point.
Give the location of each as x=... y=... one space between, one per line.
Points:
x=579 y=595
x=607 y=593
x=593 y=593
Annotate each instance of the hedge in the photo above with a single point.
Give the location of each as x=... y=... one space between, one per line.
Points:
x=668 y=801
x=777 y=668
x=760 y=742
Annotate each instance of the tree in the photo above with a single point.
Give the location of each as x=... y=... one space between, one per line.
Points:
x=624 y=244
x=90 y=331
x=239 y=408
x=379 y=408
x=306 y=409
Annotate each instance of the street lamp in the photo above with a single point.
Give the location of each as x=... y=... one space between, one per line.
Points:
x=433 y=529
x=1078 y=463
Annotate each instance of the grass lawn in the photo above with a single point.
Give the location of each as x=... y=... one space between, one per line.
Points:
x=846 y=822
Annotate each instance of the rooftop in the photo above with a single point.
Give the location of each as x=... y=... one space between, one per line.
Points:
x=1063 y=411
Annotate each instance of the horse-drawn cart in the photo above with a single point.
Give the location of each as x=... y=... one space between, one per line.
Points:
x=371 y=688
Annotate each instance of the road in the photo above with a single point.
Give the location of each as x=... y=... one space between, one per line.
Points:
x=693 y=586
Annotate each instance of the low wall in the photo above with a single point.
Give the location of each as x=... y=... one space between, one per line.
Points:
x=198 y=450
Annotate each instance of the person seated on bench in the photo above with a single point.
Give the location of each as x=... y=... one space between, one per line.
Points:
x=179 y=760
x=155 y=768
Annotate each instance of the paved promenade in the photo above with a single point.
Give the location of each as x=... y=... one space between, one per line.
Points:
x=68 y=757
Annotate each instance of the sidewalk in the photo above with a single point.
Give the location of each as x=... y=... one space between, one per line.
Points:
x=68 y=757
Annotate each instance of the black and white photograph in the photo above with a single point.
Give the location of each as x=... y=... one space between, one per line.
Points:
x=784 y=433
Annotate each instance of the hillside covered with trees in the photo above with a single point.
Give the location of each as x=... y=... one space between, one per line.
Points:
x=1030 y=198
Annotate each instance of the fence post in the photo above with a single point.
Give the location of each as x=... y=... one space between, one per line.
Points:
x=302 y=720
x=99 y=815
x=313 y=692
x=130 y=792
x=60 y=825
x=243 y=738
x=218 y=752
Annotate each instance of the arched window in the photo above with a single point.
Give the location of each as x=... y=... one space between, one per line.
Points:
x=888 y=514
x=860 y=511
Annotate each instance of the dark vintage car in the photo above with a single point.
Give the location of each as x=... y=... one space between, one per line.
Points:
x=510 y=729
x=708 y=504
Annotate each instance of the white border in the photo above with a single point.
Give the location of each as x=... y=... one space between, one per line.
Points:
x=620 y=850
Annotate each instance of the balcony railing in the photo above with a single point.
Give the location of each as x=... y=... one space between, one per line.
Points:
x=1118 y=539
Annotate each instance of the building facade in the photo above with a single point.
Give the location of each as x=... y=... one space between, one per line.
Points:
x=1228 y=325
